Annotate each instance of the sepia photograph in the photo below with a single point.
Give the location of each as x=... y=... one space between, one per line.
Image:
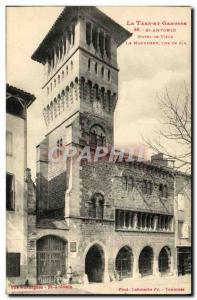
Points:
x=98 y=150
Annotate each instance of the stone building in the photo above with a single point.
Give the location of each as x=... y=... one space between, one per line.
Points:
x=183 y=215
x=104 y=219
x=17 y=102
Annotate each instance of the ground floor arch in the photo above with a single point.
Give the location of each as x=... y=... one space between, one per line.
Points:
x=146 y=261
x=124 y=262
x=51 y=258
x=95 y=264
x=164 y=260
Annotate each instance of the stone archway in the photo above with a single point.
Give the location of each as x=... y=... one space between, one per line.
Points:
x=146 y=261
x=51 y=258
x=124 y=262
x=95 y=264
x=164 y=260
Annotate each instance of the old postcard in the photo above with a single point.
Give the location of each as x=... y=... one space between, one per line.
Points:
x=98 y=150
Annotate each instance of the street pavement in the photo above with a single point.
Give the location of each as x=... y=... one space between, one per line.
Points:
x=148 y=285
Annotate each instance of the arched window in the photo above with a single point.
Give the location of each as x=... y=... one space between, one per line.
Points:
x=163 y=190
x=96 y=207
x=102 y=71
x=96 y=68
x=97 y=136
x=96 y=91
x=88 y=33
x=101 y=42
x=108 y=45
x=71 y=65
x=89 y=64
x=108 y=75
x=144 y=187
x=62 y=75
x=73 y=34
x=94 y=37
x=58 y=79
x=55 y=83
x=149 y=187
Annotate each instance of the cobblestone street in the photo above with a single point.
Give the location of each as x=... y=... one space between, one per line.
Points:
x=147 y=285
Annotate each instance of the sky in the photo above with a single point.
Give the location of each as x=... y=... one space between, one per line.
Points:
x=145 y=70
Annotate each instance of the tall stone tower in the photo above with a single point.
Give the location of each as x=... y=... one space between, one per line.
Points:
x=80 y=91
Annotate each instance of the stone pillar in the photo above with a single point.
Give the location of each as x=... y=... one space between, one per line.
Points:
x=156 y=272
x=135 y=221
x=124 y=223
x=171 y=265
x=136 y=273
x=140 y=225
x=145 y=224
x=130 y=220
x=155 y=222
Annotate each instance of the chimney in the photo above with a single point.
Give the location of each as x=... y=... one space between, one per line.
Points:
x=158 y=159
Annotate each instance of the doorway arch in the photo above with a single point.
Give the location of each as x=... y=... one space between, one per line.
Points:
x=95 y=263
x=146 y=261
x=124 y=262
x=164 y=260
x=51 y=258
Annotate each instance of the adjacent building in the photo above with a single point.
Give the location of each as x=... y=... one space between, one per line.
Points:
x=17 y=102
x=183 y=214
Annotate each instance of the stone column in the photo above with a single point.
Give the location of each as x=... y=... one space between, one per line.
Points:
x=141 y=215
x=171 y=265
x=156 y=272
x=130 y=220
x=155 y=222
x=136 y=273
x=135 y=221
x=124 y=223
x=145 y=222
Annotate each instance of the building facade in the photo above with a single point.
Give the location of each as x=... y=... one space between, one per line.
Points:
x=17 y=102
x=106 y=220
x=183 y=215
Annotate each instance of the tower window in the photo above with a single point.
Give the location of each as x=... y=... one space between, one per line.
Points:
x=163 y=190
x=58 y=79
x=97 y=136
x=67 y=70
x=94 y=37
x=108 y=45
x=96 y=91
x=96 y=206
x=47 y=91
x=102 y=71
x=71 y=65
x=89 y=64
x=59 y=147
x=108 y=75
x=10 y=205
x=62 y=75
x=51 y=86
x=101 y=42
x=73 y=34
x=96 y=68
x=55 y=83
x=147 y=187
x=88 y=33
